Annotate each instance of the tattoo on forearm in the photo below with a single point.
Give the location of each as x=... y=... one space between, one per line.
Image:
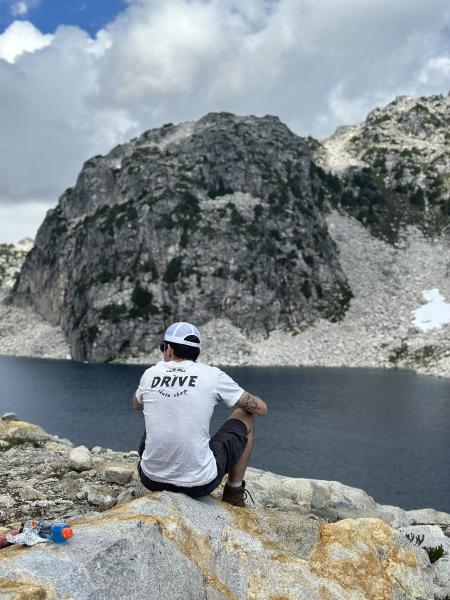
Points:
x=248 y=402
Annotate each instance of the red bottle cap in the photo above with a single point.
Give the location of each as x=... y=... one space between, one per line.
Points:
x=67 y=532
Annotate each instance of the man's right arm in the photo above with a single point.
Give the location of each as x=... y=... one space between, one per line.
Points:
x=252 y=404
x=137 y=405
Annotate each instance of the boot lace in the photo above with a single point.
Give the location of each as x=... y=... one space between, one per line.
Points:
x=248 y=495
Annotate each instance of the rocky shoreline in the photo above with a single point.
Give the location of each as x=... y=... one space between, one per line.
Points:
x=98 y=492
x=42 y=473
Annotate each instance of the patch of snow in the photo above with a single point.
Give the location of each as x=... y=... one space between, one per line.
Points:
x=434 y=314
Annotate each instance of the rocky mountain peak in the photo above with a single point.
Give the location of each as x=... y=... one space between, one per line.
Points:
x=222 y=217
x=243 y=227
x=395 y=165
x=419 y=125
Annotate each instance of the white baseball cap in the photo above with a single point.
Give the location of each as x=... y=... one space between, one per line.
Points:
x=177 y=332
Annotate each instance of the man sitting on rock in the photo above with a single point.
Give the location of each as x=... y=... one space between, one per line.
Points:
x=178 y=396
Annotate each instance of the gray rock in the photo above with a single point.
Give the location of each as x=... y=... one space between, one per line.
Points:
x=241 y=191
x=6 y=501
x=19 y=484
x=70 y=474
x=42 y=504
x=103 y=502
x=9 y=416
x=428 y=516
x=218 y=552
x=44 y=469
x=126 y=496
x=29 y=493
x=431 y=536
x=118 y=474
x=441 y=576
x=80 y=459
x=21 y=434
x=99 y=497
x=399 y=147
x=332 y=500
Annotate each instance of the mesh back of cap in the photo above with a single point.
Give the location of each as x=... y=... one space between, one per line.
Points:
x=177 y=332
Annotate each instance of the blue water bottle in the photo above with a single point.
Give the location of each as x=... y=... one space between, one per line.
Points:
x=57 y=532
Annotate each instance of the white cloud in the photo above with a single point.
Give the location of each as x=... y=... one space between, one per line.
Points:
x=316 y=64
x=21 y=220
x=19 y=9
x=21 y=37
x=52 y=126
x=347 y=108
x=436 y=70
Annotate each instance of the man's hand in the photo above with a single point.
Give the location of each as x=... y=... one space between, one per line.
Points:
x=252 y=404
x=136 y=404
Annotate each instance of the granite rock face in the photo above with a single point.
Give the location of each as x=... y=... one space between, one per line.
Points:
x=298 y=252
x=168 y=546
x=221 y=217
x=304 y=539
x=393 y=168
x=12 y=257
x=23 y=331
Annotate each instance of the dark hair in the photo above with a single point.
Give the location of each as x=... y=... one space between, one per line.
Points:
x=186 y=352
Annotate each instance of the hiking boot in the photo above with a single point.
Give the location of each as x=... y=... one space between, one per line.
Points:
x=236 y=495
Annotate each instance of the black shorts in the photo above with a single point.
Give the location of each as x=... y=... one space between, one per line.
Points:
x=227 y=445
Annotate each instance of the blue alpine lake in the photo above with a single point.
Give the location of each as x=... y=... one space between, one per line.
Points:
x=387 y=432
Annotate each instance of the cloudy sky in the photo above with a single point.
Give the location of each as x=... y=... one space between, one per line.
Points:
x=79 y=76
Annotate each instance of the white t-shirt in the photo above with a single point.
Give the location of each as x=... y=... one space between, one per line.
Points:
x=179 y=399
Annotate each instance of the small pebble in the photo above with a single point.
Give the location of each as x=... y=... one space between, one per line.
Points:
x=80 y=459
x=118 y=474
x=29 y=493
x=9 y=416
x=7 y=501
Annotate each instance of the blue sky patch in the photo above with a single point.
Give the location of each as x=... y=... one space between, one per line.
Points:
x=47 y=15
